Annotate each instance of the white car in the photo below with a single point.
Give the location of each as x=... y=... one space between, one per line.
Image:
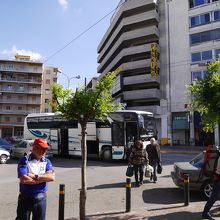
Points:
x=24 y=147
x=4 y=156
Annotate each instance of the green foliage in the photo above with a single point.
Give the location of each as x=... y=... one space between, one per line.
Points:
x=85 y=104
x=205 y=96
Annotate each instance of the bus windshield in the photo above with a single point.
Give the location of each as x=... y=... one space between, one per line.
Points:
x=147 y=127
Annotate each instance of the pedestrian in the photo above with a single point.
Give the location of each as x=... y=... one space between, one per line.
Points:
x=34 y=171
x=215 y=193
x=138 y=158
x=153 y=150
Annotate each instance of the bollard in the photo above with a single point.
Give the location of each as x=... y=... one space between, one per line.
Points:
x=128 y=194
x=61 y=201
x=186 y=189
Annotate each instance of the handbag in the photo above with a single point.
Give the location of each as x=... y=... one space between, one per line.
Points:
x=129 y=171
x=159 y=168
x=148 y=171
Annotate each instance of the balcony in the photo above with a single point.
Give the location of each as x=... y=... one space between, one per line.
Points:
x=19 y=80
x=139 y=79
x=20 y=101
x=18 y=90
x=142 y=94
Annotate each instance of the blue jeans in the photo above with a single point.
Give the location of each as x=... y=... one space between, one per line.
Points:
x=35 y=204
x=214 y=196
x=138 y=172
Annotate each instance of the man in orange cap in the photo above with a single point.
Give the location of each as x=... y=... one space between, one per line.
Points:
x=34 y=171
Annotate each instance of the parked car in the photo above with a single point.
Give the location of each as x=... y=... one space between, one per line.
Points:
x=197 y=180
x=4 y=156
x=24 y=147
x=5 y=144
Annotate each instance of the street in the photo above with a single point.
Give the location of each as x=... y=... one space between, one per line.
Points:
x=106 y=191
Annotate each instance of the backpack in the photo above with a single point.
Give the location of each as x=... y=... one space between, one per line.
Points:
x=210 y=161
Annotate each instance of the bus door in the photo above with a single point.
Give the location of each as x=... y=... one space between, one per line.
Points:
x=131 y=135
x=64 y=143
x=118 y=151
x=54 y=135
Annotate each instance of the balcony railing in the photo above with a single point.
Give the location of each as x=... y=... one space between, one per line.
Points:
x=23 y=80
x=18 y=90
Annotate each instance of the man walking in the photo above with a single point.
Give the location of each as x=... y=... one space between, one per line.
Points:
x=153 y=150
x=34 y=171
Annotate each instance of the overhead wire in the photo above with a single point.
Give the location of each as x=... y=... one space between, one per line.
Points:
x=82 y=33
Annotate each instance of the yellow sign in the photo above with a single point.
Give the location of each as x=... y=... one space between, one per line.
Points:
x=154 y=60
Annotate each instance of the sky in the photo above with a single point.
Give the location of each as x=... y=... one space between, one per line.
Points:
x=49 y=31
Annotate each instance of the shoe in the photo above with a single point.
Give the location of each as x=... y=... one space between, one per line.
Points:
x=151 y=177
x=137 y=184
x=207 y=215
x=141 y=183
x=155 y=181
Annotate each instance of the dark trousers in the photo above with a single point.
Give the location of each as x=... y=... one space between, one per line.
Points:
x=214 y=196
x=32 y=204
x=138 y=173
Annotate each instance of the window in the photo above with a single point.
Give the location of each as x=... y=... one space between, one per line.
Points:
x=7 y=119
x=216 y=15
x=195 y=3
x=33 y=98
x=19 y=119
x=8 y=96
x=47 y=81
x=217 y=53
x=199 y=75
x=199 y=56
x=47 y=91
x=207 y=55
x=205 y=36
x=46 y=110
x=20 y=97
x=19 y=108
x=8 y=107
x=48 y=72
x=46 y=101
x=200 y=19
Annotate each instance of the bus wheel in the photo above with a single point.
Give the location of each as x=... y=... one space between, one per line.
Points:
x=107 y=154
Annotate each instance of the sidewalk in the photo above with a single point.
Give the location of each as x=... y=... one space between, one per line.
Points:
x=168 y=212
x=182 y=149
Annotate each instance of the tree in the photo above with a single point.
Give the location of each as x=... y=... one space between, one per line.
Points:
x=205 y=96
x=85 y=105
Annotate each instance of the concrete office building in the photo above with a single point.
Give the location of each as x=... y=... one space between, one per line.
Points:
x=20 y=93
x=49 y=78
x=185 y=32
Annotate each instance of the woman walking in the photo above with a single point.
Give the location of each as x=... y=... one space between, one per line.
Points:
x=138 y=158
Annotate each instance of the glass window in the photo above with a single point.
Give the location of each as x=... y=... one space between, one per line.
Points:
x=216 y=34
x=205 y=18
x=196 y=75
x=216 y=15
x=196 y=57
x=194 y=21
x=195 y=38
x=217 y=52
x=207 y=55
x=199 y=2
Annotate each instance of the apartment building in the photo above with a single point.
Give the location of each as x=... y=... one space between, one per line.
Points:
x=186 y=33
x=20 y=93
x=194 y=41
x=49 y=78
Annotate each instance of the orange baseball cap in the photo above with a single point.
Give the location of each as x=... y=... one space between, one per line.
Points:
x=41 y=142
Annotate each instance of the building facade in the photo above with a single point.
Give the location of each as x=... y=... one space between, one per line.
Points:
x=186 y=35
x=49 y=77
x=24 y=88
x=20 y=93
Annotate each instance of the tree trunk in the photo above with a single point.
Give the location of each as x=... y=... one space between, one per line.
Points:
x=82 y=204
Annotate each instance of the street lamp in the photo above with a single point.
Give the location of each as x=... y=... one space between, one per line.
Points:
x=68 y=78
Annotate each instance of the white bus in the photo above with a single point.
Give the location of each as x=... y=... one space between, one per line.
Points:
x=110 y=139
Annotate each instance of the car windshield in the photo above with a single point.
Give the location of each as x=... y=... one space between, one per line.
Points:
x=198 y=160
x=3 y=142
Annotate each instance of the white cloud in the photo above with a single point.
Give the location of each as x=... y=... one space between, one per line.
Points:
x=63 y=3
x=14 y=50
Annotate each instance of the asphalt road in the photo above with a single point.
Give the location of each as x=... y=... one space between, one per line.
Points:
x=106 y=191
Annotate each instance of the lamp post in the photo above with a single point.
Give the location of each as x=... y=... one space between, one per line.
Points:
x=68 y=78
